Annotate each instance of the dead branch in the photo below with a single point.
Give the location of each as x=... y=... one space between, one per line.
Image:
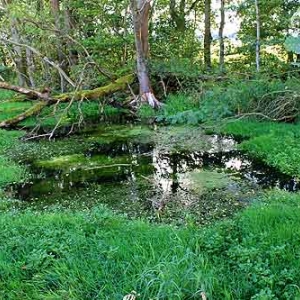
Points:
x=44 y=58
x=38 y=107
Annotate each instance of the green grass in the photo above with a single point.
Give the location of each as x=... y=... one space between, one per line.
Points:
x=277 y=144
x=6 y=95
x=98 y=255
x=252 y=128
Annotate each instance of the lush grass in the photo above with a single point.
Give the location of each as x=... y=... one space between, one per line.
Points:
x=251 y=128
x=282 y=152
x=6 y=95
x=277 y=144
x=88 y=111
x=97 y=255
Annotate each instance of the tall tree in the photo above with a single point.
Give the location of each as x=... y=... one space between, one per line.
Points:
x=55 y=9
x=18 y=54
x=140 y=13
x=207 y=34
x=257 y=36
x=221 y=36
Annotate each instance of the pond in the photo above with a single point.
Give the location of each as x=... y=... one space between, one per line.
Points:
x=168 y=174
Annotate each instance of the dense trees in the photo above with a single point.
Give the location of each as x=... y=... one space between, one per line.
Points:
x=69 y=45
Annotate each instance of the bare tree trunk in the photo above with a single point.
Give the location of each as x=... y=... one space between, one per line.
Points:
x=17 y=50
x=30 y=68
x=207 y=35
x=140 y=13
x=257 y=36
x=60 y=55
x=69 y=24
x=18 y=55
x=221 y=36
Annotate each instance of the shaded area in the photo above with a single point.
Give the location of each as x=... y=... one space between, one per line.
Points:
x=150 y=174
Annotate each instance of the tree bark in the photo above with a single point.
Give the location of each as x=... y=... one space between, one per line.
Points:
x=30 y=67
x=257 y=36
x=221 y=36
x=140 y=12
x=18 y=56
x=56 y=12
x=207 y=35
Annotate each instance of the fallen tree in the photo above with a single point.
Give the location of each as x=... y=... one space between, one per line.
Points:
x=44 y=98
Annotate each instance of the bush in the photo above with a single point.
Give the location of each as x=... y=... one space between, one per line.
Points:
x=263 y=96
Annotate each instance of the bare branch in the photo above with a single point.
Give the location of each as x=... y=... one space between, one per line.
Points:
x=45 y=58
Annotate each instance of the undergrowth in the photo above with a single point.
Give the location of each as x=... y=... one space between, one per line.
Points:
x=98 y=255
x=273 y=98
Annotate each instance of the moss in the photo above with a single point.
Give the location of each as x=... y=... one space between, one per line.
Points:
x=204 y=180
x=95 y=94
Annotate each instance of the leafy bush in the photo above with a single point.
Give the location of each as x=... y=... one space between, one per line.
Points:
x=263 y=96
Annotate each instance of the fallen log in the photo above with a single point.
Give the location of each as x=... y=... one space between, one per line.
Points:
x=28 y=93
x=44 y=99
x=117 y=85
x=34 y=110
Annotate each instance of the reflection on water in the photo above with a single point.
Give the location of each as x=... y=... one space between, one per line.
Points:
x=166 y=170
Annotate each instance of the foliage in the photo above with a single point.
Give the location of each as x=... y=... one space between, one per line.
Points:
x=263 y=96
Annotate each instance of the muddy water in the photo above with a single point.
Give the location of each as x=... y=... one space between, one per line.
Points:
x=164 y=175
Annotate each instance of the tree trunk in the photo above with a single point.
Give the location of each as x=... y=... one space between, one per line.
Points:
x=30 y=67
x=17 y=50
x=58 y=26
x=221 y=36
x=257 y=36
x=140 y=13
x=207 y=35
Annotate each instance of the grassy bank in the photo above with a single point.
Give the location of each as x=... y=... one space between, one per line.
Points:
x=97 y=255
x=277 y=144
